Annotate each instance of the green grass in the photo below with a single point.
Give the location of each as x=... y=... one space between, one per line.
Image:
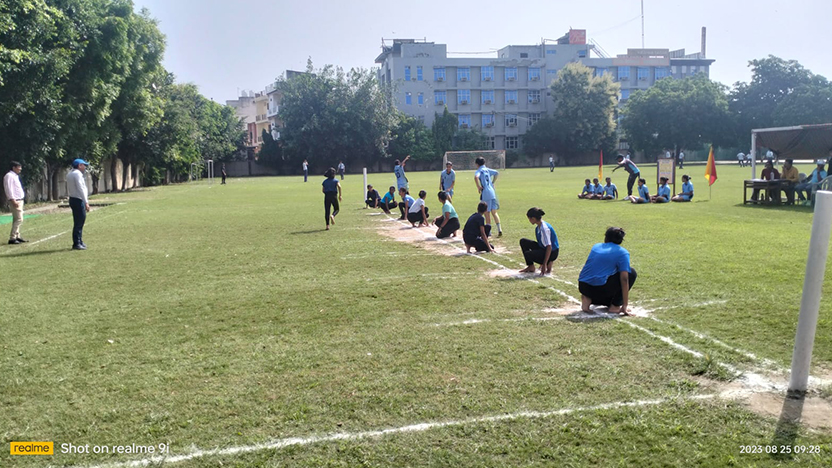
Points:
x=216 y=316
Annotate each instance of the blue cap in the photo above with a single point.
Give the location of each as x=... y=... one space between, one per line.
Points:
x=78 y=162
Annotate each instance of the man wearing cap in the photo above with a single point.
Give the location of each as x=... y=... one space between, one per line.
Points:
x=15 y=195
x=76 y=187
x=816 y=177
x=788 y=179
x=630 y=167
x=447 y=180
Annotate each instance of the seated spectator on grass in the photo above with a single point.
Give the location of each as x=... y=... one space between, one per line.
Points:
x=406 y=203
x=373 y=198
x=606 y=278
x=388 y=202
x=663 y=195
x=448 y=223
x=610 y=191
x=418 y=212
x=587 y=191
x=788 y=180
x=643 y=193
x=475 y=234
x=815 y=178
x=597 y=190
x=687 y=190
x=769 y=173
x=545 y=249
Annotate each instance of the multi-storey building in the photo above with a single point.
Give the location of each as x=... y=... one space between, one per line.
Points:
x=275 y=95
x=504 y=96
x=247 y=111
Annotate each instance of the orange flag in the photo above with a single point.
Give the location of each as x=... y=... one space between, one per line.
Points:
x=601 y=167
x=710 y=171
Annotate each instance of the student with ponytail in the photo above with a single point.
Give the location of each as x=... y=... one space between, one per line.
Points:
x=545 y=249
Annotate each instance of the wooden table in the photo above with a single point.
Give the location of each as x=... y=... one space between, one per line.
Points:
x=772 y=187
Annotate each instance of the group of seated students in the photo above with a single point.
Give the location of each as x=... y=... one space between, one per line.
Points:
x=596 y=191
x=664 y=194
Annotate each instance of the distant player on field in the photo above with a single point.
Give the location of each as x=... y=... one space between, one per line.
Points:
x=332 y=195
x=398 y=171
x=447 y=180
x=485 y=178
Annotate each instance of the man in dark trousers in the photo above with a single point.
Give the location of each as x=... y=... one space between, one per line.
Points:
x=224 y=174
x=76 y=187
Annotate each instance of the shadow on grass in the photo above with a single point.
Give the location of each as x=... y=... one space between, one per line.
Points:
x=788 y=426
x=311 y=231
x=597 y=317
x=33 y=252
x=792 y=208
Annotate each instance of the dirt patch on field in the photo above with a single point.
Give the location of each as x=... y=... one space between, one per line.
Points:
x=813 y=411
x=425 y=237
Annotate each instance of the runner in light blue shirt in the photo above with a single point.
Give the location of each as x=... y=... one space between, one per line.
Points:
x=687 y=190
x=663 y=195
x=447 y=179
x=610 y=190
x=398 y=171
x=485 y=178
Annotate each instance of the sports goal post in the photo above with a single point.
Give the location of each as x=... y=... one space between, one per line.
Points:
x=465 y=160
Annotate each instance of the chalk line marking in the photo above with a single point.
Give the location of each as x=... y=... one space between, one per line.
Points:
x=409 y=429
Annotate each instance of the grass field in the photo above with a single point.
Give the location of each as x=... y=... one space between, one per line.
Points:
x=224 y=322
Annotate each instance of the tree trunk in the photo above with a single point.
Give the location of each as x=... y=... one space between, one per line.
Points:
x=135 y=173
x=125 y=171
x=95 y=178
x=53 y=184
x=113 y=174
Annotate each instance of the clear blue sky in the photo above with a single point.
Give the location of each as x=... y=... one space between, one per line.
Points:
x=223 y=45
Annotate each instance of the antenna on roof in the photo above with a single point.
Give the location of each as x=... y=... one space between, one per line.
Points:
x=642 y=24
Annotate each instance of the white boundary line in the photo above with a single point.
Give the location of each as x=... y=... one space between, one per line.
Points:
x=33 y=243
x=409 y=429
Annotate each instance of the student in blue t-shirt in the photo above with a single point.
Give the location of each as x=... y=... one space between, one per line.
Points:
x=663 y=195
x=407 y=202
x=388 y=202
x=643 y=193
x=610 y=191
x=545 y=249
x=687 y=190
x=447 y=179
x=607 y=277
x=332 y=195
x=448 y=223
x=485 y=179
x=398 y=171
x=597 y=190
x=586 y=191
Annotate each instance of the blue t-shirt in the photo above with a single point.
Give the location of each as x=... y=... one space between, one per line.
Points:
x=487 y=177
x=388 y=197
x=610 y=189
x=447 y=179
x=587 y=188
x=605 y=259
x=644 y=193
x=553 y=237
x=330 y=185
x=687 y=187
x=598 y=189
x=408 y=201
x=664 y=191
x=812 y=179
x=401 y=180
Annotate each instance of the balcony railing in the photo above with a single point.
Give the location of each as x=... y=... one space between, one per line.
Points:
x=273 y=111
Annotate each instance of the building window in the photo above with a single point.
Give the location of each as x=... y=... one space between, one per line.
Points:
x=582 y=53
x=487 y=73
x=511 y=96
x=439 y=97
x=661 y=72
x=464 y=120
x=643 y=73
x=463 y=74
x=692 y=69
x=420 y=98
x=623 y=73
x=512 y=142
x=551 y=52
x=534 y=96
x=439 y=74
x=551 y=74
x=463 y=96
x=534 y=74
x=625 y=94
x=408 y=99
x=488 y=120
x=419 y=76
x=673 y=69
x=524 y=55
x=533 y=119
x=511 y=73
x=600 y=71
x=407 y=73
x=511 y=120
x=489 y=143
x=421 y=118
x=488 y=97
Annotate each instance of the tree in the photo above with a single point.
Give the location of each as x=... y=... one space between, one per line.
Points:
x=411 y=137
x=469 y=140
x=444 y=128
x=543 y=137
x=685 y=113
x=807 y=104
x=271 y=153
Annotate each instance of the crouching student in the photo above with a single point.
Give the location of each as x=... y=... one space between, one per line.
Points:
x=373 y=198
x=388 y=202
x=545 y=249
x=687 y=190
x=643 y=193
x=475 y=234
x=663 y=195
x=448 y=223
x=587 y=191
x=606 y=278
x=406 y=203
x=418 y=212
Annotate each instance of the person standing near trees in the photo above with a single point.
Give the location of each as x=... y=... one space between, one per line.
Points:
x=305 y=170
x=224 y=174
x=76 y=187
x=447 y=179
x=631 y=168
x=14 y=193
x=332 y=195
x=551 y=164
x=341 y=169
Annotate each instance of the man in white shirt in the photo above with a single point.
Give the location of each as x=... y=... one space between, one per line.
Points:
x=681 y=159
x=741 y=158
x=14 y=193
x=551 y=164
x=76 y=187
